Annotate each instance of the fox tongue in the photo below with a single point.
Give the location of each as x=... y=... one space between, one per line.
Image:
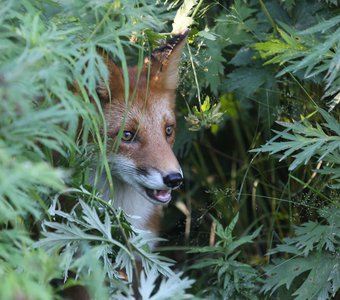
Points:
x=162 y=195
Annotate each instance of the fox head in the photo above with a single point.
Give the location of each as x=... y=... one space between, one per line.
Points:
x=143 y=126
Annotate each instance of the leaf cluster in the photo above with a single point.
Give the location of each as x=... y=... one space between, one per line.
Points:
x=315 y=51
x=314 y=254
x=88 y=233
x=268 y=63
x=228 y=277
x=302 y=141
x=49 y=71
x=205 y=116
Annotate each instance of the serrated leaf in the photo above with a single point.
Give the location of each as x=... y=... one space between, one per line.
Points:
x=207 y=35
x=243 y=57
x=322 y=26
x=319 y=279
x=283 y=273
x=244 y=240
x=304 y=141
x=213 y=65
x=233 y=278
x=247 y=80
x=314 y=248
x=332 y=123
x=316 y=55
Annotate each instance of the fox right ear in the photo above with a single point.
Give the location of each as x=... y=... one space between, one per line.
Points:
x=165 y=60
x=115 y=79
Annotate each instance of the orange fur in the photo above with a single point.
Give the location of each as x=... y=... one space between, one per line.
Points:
x=145 y=169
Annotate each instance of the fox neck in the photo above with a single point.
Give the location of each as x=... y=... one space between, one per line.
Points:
x=138 y=210
x=141 y=213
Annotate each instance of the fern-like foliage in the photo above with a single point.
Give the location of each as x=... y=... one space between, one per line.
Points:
x=227 y=277
x=21 y=272
x=88 y=233
x=314 y=258
x=48 y=48
x=304 y=141
x=172 y=288
x=315 y=51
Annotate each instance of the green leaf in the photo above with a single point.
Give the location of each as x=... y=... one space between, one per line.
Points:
x=331 y=122
x=322 y=26
x=243 y=57
x=207 y=35
x=213 y=65
x=314 y=248
x=305 y=140
x=307 y=51
x=233 y=278
x=246 y=80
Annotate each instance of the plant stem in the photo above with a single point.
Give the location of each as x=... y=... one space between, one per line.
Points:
x=195 y=76
x=266 y=12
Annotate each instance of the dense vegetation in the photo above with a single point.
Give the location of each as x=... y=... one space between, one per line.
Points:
x=259 y=142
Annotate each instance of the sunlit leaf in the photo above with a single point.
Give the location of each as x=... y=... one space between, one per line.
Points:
x=182 y=19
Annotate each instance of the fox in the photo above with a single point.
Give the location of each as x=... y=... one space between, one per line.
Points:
x=144 y=168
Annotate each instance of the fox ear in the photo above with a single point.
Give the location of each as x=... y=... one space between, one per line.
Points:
x=166 y=60
x=115 y=78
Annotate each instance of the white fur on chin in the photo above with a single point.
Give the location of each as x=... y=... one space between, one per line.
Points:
x=125 y=197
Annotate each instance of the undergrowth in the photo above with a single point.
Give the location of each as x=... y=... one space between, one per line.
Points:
x=257 y=78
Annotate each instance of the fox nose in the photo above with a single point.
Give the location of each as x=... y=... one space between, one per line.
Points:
x=173 y=180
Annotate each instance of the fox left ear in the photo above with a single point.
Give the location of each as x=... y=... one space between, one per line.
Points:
x=115 y=78
x=165 y=60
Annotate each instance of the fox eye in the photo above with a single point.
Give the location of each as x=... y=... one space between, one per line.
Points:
x=128 y=136
x=169 y=130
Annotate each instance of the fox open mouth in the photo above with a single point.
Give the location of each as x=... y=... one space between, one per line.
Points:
x=162 y=196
